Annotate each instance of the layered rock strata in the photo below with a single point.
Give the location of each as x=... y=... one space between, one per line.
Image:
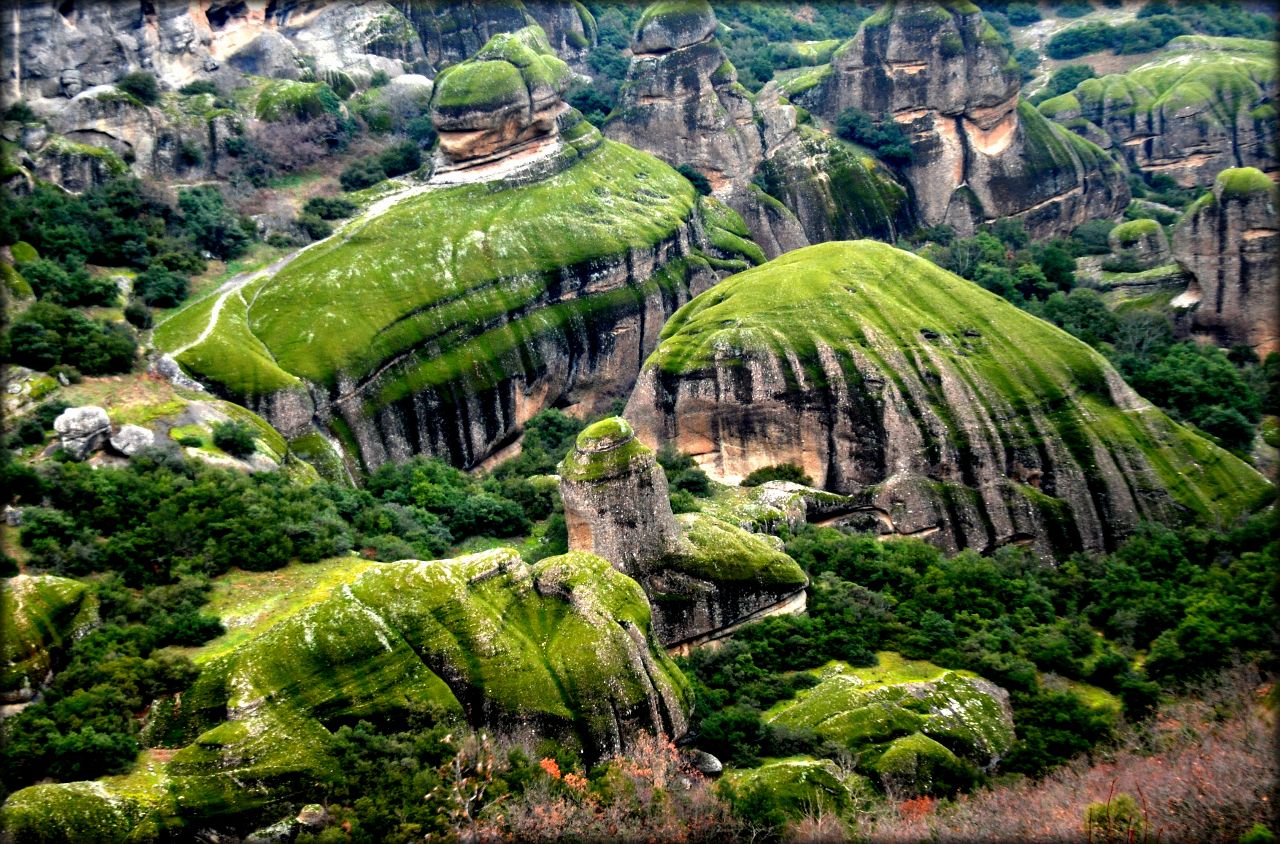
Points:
x=1206 y=104
x=504 y=102
x=1228 y=241
x=941 y=73
x=911 y=390
x=703 y=576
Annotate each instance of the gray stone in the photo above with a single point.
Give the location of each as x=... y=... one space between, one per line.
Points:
x=131 y=439
x=313 y=816
x=704 y=763
x=82 y=430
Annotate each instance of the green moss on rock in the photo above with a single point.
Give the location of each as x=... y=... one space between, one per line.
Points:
x=39 y=616
x=724 y=553
x=1242 y=181
x=1127 y=234
x=284 y=99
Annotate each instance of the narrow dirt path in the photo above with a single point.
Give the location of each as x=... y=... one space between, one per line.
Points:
x=235 y=283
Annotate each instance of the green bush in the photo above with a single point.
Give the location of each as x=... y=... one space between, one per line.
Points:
x=314 y=227
x=46 y=335
x=699 y=181
x=199 y=86
x=210 y=224
x=401 y=158
x=73 y=287
x=140 y=85
x=235 y=438
x=361 y=174
x=781 y=472
x=1022 y=14
x=160 y=288
x=330 y=207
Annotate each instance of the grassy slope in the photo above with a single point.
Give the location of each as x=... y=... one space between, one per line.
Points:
x=880 y=300
x=38 y=615
x=435 y=266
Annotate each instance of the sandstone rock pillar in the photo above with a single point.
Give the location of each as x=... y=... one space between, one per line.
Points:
x=615 y=499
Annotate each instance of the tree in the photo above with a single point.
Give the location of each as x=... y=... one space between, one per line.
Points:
x=234 y=438
x=361 y=174
x=161 y=288
x=780 y=472
x=699 y=181
x=210 y=224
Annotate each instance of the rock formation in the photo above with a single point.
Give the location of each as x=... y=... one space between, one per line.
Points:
x=453 y=32
x=561 y=648
x=911 y=725
x=940 y=71
x=703 y=576
x=40 y=616
x=1205 y=105
x=616 y=503
x=131 y=439
x=1228 y=241
x=911 y=390
x=1139 y=245
x=503 y=103
x=543 y=279
x=82 y=430
x=682 y=102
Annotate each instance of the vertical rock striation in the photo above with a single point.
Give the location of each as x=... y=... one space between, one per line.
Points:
x=703 y=576
x=940 y=71
x=1229 y=240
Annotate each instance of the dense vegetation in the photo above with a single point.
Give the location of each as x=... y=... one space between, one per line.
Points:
x=1191 y=600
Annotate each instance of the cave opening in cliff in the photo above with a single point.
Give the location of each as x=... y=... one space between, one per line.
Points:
x=220 y=17
x=67 y=8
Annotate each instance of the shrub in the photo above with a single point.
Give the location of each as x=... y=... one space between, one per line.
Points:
x=404 y=157
x=364 y=173
x=699 y=181
x=1022 y=14
x=161 y=288
x=210 y=224
x=1119 y=820
x=21 y=112
x=234 y=438
x=314 y=227
x=137 y=314
x=780 y=472
x=379 y=79
x=1074 y=8
x=74 y=287
x=199 y=86
x=330 y=207
x=884 y=136
x=141 y=86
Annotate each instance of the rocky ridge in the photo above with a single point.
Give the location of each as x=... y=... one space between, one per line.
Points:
x=940 y=72
x=703 y=576
x=1206 y=104
x=897 y=383
x=1228 y=241
x=561 y=648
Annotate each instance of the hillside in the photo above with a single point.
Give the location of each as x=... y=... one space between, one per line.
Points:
x=945 y=409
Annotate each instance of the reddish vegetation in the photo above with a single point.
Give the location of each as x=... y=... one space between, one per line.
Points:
x=1211 y=777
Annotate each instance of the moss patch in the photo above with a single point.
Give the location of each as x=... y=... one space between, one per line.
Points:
x=39 y=616
x=725 y=553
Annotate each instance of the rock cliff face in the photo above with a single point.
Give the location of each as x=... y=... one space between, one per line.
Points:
x=682 y=102
x=463 y=310
x=1205 y=105
x=899 y=384
x=453 y=32
x=562 y=648
x=703 y=576
x=940 y=71
x=1229 y=240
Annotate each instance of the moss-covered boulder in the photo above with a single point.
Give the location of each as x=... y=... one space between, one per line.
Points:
x=1203 y=105
x=40 y=616
x=503 y=102
x=1139 y=245
x=911 y=389
x=1228 y=241
x=912 y=724
x=801 y=787
x=703 y=576
x=673 y=24
x=562 y=649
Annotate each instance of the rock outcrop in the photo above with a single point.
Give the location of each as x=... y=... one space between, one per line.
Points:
x=912 y=725
x=704 y=577
x=940 y=72
x=682 y=102
x=1139 y=245
x=459 y=312
x=911 y=390
x=131 y=439
x=504 y=103
x=453 y=32
x=1229 y=241
x=1206 y=104
x=40 y=616
x=82 y=430
x=561 y=649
